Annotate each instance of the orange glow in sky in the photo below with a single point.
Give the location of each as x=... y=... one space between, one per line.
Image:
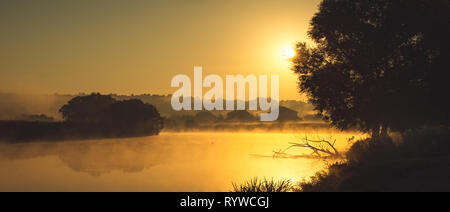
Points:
x=137 y=46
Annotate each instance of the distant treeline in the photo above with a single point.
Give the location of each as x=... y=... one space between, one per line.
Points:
x=22 y=106
x=239 y=120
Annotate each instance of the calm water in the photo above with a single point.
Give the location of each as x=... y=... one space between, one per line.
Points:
x=168 y=162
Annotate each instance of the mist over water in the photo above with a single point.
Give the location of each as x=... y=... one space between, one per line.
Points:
x=196 y=161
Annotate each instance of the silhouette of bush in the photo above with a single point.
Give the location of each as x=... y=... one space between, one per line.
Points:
x=86 y=108
x=372 y=149
x=265 y=185
x=426 y=142
x=205 y=117
x=240 y=116
x=130 y=112
x=311 y=117
x=286 y=114
x=40 y=117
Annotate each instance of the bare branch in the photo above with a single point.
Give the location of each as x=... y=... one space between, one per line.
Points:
x=320 y=148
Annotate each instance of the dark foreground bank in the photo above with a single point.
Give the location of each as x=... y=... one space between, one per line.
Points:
x=419 y=162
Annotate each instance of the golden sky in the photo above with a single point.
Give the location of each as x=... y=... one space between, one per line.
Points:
x=137 y=46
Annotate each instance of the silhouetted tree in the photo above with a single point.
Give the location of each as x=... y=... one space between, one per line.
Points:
x=241 y=116
x=286 y=114
x=378 y=65
x=205 y=117
x=132 y=113
x=86 y=108
x=128 y=117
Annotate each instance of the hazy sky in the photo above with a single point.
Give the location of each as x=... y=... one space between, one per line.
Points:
x=134 y=46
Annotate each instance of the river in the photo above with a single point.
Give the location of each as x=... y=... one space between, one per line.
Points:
x=190 y=162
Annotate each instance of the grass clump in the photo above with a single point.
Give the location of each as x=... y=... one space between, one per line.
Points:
x=264 y=185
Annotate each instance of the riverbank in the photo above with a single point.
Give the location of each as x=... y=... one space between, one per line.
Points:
x=420 y=161
x=27 y=131
x=417 y=162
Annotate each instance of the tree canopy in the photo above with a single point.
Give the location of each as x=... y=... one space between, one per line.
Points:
x=86 y=108
x=240 y=116
x=377 y=65
x=123 y=115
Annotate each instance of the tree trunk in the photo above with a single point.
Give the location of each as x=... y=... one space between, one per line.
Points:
x=376 y=132
x=384 y=131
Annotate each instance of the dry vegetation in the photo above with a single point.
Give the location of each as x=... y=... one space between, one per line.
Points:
x=264 y=185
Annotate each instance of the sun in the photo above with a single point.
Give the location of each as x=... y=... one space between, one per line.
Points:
x=288 y=53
